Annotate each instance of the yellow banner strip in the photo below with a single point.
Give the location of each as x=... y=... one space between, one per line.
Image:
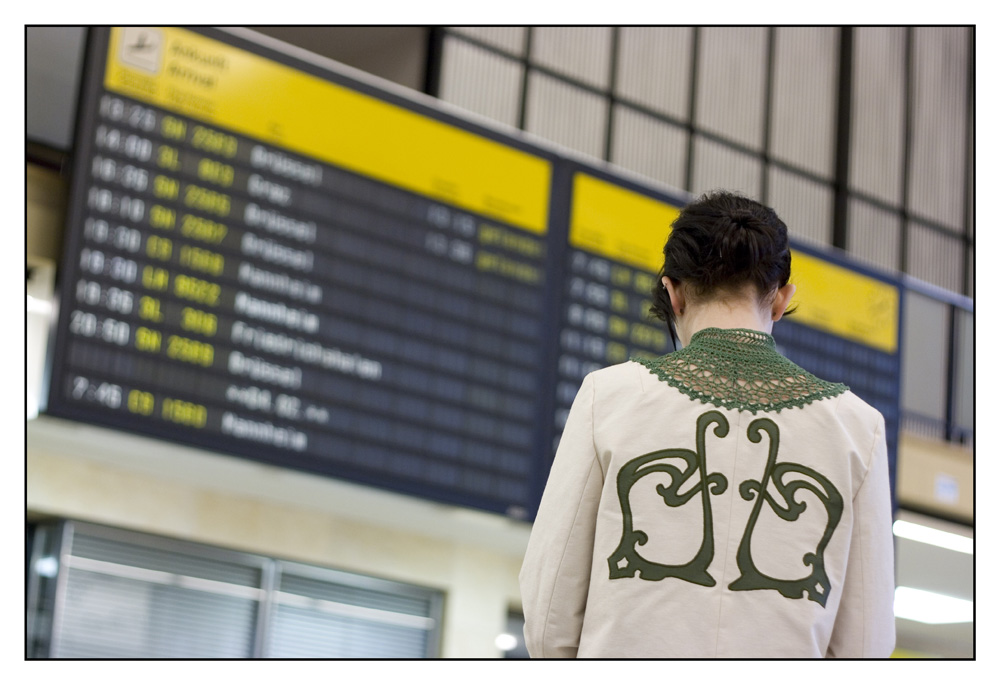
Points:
x=223 y=85
x=620 y=224
x=846 y=303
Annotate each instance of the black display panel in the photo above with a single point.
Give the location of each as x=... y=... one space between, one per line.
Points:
x=614 y=244
x=229 y=293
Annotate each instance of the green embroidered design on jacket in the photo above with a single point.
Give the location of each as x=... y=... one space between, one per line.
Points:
x=816 y=585
x=626 y=560
x=739 y=368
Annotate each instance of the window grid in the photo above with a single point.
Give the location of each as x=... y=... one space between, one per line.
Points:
x=617 y=99
x=498 y=81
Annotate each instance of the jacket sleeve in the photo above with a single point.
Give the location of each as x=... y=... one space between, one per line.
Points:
x=865 y=624
x=555 y=574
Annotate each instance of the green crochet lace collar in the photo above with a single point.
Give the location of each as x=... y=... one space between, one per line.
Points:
x=739 y=368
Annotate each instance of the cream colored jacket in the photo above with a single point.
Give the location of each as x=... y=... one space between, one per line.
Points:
x=652 y=539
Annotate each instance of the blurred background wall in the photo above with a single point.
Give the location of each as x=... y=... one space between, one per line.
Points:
x=863 y=140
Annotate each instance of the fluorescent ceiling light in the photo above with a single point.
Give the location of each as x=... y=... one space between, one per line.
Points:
x=38 y=306
x=47 y=567
x=930 y=607
x=932 y=536
x=506 y=642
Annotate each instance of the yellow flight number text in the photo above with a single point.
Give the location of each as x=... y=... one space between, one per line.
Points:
x=184 y=413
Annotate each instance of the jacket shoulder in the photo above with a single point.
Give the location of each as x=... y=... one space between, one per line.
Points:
x=853 y=408
x=625 y=376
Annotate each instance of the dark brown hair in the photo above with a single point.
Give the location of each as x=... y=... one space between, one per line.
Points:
x=719 y=244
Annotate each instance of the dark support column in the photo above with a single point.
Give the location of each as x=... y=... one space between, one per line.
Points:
x=968 y=185
x=692 y=109
x=842 y=151
x=952 y=361
x=612 y=87
x=904 y=229
x=432 y=73
x=765 y=181
x=522 y=114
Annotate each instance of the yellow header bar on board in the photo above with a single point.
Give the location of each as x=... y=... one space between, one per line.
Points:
x=190 y=74
x=845 y=303
x=629 y=227
x=619 y=224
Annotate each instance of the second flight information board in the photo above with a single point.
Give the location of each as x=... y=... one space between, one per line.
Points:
x=269 y=259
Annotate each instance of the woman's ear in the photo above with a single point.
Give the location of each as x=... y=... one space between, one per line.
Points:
x=782 y=298
x=676 y=294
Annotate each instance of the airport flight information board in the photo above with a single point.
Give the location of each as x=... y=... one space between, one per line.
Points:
x=267 y=258
x=265 y=262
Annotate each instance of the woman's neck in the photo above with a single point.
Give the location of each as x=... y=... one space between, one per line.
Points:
x=721 y=314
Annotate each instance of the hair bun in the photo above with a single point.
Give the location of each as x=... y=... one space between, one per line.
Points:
x=740 y=241
x=742 y=218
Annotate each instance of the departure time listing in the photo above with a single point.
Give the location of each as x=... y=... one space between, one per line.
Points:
x=234 y=289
